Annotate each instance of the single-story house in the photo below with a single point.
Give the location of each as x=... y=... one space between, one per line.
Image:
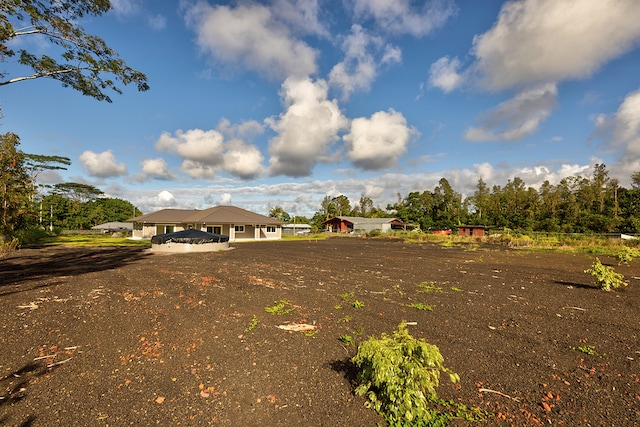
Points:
x=239 y=224
x=471 y=230
x=351 y=224
x=110 y=227
x=295 y=229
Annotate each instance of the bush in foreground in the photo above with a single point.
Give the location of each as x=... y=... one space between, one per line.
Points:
x=399 y=376
x=605 y=276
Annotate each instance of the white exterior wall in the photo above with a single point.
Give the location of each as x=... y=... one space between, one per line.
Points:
x=251 y=232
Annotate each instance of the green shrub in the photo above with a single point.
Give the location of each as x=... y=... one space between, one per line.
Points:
x=606 y=277
x=30 y=236
x=399 y=376
x=626 y=255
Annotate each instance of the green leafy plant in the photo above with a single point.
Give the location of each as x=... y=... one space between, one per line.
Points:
x=587 y=349
x=346 y=296
x=280 y=308
x=428 y=287
x=456 y=289
x=605 y=276
x=338 y=306
x=344 y=319
x=253 y=324
x=626 y=255
x=420 y=306
x=399 y=376
x=346 y=339
x=357 y=304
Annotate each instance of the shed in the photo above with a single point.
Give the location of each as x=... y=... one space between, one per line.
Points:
x=471 y=230
x=295 y=229
x=352 y=224
x=109 y=227
x=189 y=241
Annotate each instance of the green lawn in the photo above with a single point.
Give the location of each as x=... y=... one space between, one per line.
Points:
x=94 y=240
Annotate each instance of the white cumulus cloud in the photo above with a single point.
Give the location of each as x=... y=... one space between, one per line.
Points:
x=541 y=41
x=400 y=17
x=444 y=74
x=242 y=160
x=363 y=55
x=251 y=36
x=154 y=169
x=165 y=199
x=377 y=142
x=516 y=118
x=306 y=130
x=103 y=165
x=194 y=144
x=622 y=131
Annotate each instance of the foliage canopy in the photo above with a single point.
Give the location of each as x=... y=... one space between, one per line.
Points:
x=84 y=61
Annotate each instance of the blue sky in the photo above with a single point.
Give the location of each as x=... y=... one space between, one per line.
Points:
x=281 y=103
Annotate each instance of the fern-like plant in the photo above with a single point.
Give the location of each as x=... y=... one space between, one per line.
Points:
x=605 y=276
x=399 y=376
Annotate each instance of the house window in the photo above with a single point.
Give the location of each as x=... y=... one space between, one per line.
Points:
x=239 y=228
x=168 y=229
x=216 y=229
x=271 y=229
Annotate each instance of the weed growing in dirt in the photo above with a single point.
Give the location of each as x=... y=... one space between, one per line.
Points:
x=346 y=296
x=344 y=319
x=627 y=254
x=427 y=287
x=456 y=289
x=606 y=277
x=253 y=324
x=357 y=304
x=420 y=306
x=587 y=349
x=398 y=290
x=399 y=376
x=280 y=308
x=346 y=339
x=338 y=306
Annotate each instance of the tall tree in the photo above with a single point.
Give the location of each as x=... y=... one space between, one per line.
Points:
x=77 y=192
x=279 y=213
x=342 y=205
x=480 y=200
x=446 y=212
x=86 y=63
x=14 y=185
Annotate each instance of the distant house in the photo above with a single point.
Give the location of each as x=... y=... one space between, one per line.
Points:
x=471 y=230
x=112 y=227
x=239 y=224
x=295 y=229
x=351 y=224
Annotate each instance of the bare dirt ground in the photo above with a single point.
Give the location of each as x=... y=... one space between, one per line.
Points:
x=121 y=336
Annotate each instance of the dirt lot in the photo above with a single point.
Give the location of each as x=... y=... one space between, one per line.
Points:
x=121 y=336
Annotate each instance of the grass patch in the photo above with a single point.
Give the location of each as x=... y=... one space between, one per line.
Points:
x=420 y=306
x=428 y=287
x=101 y=240
x=280 y=308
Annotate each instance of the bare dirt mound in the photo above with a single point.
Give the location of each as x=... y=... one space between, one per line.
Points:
x=119 y=336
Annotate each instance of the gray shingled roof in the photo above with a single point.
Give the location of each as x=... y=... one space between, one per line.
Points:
x=214 y=215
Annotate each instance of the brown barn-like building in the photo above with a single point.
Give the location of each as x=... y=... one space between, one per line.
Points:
x=471 y=230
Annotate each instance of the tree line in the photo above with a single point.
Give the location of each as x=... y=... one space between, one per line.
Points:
x=84 y=63
x=577 y=204
x=24 y=206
